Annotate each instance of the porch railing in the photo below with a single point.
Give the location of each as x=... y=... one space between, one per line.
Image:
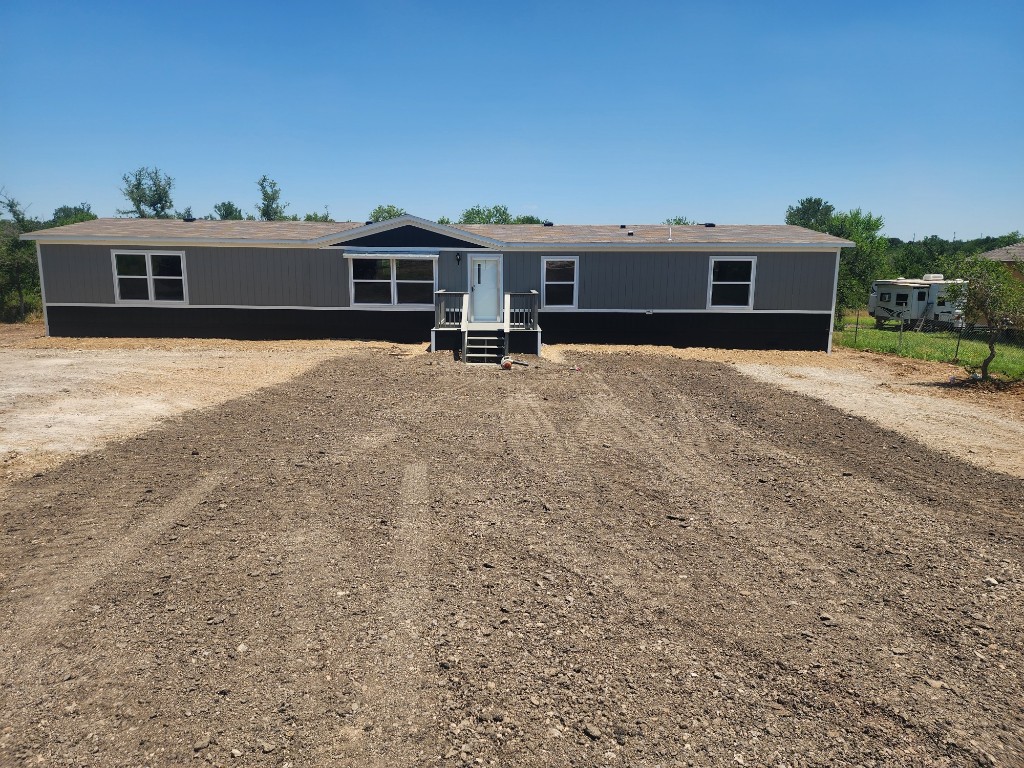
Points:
x=449 y=308
x=522 y=311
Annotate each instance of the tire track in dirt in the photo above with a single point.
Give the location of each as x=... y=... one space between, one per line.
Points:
x=42 y=602
x=397 y=700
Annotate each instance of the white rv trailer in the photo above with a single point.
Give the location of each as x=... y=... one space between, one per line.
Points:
x=921 y=303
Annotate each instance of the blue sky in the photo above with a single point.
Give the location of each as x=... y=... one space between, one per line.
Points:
x=586 y=112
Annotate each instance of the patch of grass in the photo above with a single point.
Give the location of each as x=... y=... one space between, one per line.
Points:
x=937 y=346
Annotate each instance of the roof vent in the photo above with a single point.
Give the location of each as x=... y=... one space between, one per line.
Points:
x=549 y=223
x=189 y=218
x=630 y=233
x=709 y=224
x=622 y=226
x=369 y=222
x=934 y=277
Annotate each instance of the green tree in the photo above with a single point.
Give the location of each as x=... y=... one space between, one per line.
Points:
x=227 y=211
x=19 y=272
x=149 y=192
x=678 y=221
x=992 y=296
x=385 y=212
x=480 y=214
x=862 y=265
x=444 y=220
x=325 y=216
x=186 y=214
x=270 y=207
x=810 y=212
x=526 y=218
x=72 y=214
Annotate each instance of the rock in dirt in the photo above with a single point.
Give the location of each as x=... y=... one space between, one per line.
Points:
x=592 y=731
x=236 y=753
x=991 y=581
x=202 y=743
x=266 y=747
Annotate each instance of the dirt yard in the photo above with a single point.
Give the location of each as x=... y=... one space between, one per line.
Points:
x=368 y=555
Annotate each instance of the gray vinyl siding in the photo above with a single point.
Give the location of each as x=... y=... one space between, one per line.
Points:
x=642 y=280
x=260 y=277
x=798 y=281
x=267 y=277
x=77 y=274
x=522 y=272
x=451 y=275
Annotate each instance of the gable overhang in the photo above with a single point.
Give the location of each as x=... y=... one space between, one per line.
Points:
x=406 y=220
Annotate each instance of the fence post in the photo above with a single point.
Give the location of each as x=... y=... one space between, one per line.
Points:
x=855 y=329
x=959 y=335
x=899 y=343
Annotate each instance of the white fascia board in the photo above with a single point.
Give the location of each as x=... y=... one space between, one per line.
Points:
x=402 y=221
x=703 y=247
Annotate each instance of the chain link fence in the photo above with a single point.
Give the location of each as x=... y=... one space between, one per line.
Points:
x=955 y=342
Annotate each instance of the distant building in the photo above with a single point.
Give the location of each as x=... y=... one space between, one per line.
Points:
x=1012 y=256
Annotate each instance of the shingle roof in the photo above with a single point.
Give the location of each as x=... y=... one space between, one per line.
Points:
x=1006 y=253
x=651 y=233
x=175 y=229
x=305 y=232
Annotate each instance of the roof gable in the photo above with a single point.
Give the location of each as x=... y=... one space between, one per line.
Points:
x=410 y=231
x=408 y=236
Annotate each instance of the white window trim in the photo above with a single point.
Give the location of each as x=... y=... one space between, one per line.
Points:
x=575 y=284
x=393 y=279
x=151 y=302
x=753 y=282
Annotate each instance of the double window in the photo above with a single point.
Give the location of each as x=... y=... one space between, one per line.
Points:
x=149 y=277
x=731 y=283
x=559 y=284
x=393 y=280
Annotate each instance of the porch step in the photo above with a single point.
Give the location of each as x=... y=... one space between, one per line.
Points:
x=484 y=346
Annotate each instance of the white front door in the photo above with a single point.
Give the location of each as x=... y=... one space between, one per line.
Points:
x=485 y=288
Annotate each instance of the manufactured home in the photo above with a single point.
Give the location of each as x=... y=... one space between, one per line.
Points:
x=922 y=303
x=483 y=289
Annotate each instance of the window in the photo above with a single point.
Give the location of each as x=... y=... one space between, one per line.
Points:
x=885 y=297
x=922 y=295
x=393 y=280
x=151 y=277
x=731 y=283
x=559 y=282
x=901 y=299
x=940 y=301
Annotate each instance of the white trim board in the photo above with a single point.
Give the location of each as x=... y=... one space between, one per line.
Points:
x=430 y=308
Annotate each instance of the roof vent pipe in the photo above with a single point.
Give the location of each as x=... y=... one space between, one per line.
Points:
x=708 y=224
x=622 y=226
x=368 y=222
x=549 y=223
x=630 y=233
x=189 y=218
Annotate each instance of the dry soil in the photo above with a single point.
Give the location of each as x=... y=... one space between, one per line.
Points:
x=606 y=559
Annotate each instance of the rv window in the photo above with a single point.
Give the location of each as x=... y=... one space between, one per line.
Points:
x=901 y=299
x=922 y=295
x=885 y=297
x=941 y=301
